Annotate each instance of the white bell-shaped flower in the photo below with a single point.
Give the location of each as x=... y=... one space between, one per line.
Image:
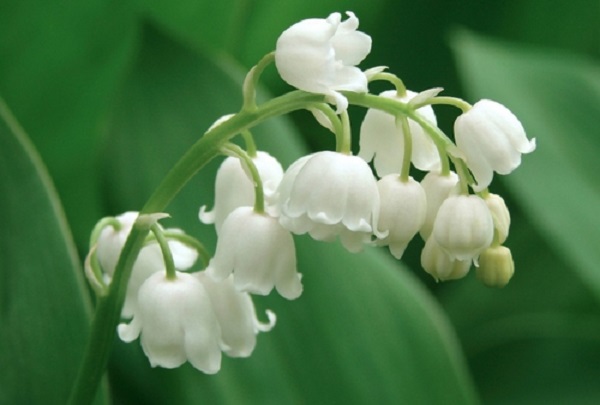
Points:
x=438 y=263
x=402 y=212
x=234 y=187
x=236 y=315
x=177 y=322
x=463 y=227
x=382 y=141
x=259 y=252
x=329 y=194
x=500 y=215
x=149 y=261
x=492 y=140
x=437 y=189
x=320 y=56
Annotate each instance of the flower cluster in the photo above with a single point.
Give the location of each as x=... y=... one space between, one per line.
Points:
x=366 y=199
x=331 y=193
x=179 y=316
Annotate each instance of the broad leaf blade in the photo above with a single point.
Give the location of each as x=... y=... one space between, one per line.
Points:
x=60 y=65
x=44 y=310
x=363 y=330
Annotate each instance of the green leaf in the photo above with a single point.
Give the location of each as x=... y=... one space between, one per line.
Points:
x=363 y=331
x=60 y=65
x=521 y=339
x=44 y=308
x=557 y=98
x=247 y=30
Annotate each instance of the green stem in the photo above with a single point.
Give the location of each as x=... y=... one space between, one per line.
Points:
x=250 y=144
x=463 y=176
x=392 y=78
x=259 y=193
x=405 y=172
x=106 y=318
x=165 y=250
x=251 y=82
x=191 y=242
x=343 y=139
x=394 y=107
x=453 y=101
x=332 y=117
x=103 y=223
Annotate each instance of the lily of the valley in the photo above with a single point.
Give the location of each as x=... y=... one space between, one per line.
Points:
x=236 y=315
x=329 y=194
x=259 y=252
x=382 y=141
x=176 y=322
x=149 y=261
x=437 y=188
x=437 y=262
x=463 y=227
x=234 y=187
x=320 y=56
x=402 y=212
x=492 y=140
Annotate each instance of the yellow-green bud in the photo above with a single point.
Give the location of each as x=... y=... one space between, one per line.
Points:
x=496 y=266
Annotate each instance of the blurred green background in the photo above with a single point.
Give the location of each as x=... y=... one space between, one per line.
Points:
x=111 y=93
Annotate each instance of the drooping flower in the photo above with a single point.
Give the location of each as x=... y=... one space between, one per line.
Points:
x=438 y=263
x=149 y=261
x=329 y=194
x=437 y=188
x=177 y=323
x=236 y=315
x=382 y=141
x=492 y=140
x=402 y=212
x=234 y=187
x=259 y=252
x=463 y=227
x=320 y=56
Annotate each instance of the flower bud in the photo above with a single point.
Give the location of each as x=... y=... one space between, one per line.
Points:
x=496 y=266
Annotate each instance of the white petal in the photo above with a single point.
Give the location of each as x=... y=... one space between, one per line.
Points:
x=206 y=217
x=425 y=95
x=437 y=189
x=129 y=332
x=402 y=213
x=257 y=249
x=321 y=118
